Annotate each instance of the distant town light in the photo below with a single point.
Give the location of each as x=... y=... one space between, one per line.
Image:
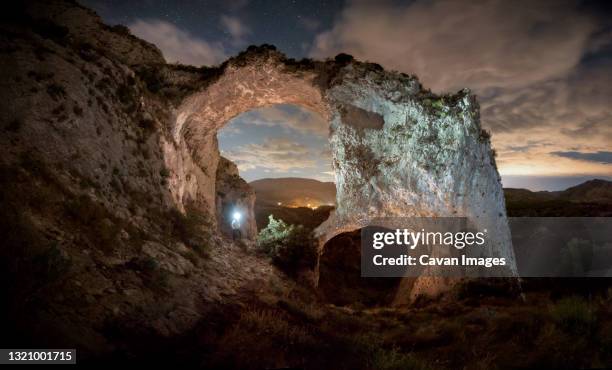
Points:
x=279 y=203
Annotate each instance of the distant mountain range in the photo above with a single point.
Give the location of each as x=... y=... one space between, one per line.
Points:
x=592 y=191
x=288 y=189
x=591 y=198
x=294 y=192
x=288 y=198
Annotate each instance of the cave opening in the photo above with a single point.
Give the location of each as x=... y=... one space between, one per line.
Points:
x=340 y=280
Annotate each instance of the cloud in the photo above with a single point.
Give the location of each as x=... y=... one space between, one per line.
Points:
x=229 y=131
x=178 y=45
x=569 y=114
x=275 y=155
x=236 y=29
x=598 y=157
x=289 y=116
x=536 y=66
x=325 y=176
x=451 y=44
x=326 y=154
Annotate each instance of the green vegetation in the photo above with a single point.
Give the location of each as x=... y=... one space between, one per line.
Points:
x=164 y=173
x=152 y=80
x=121 y=30
x=343 y=58
x=309 y=218
x=485 y=135
x=438 y=104
x=259 y=337
x=290 y=246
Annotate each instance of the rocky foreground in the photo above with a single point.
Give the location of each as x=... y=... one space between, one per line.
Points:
x=96 y=250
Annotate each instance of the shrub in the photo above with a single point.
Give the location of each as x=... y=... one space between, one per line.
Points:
x=485 y=135
x=290 y=246
x=147 y=124
x=395 y=360
x=121 y=30
x=259 y=337
x=343 y=58
x=151 y=79
x=192 y=228
x=371 y=349
x=573 y=315
x=149 y=264
x=124 y=94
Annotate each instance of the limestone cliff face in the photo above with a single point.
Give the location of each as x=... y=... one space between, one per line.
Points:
x=105 y=217
x=400 y=151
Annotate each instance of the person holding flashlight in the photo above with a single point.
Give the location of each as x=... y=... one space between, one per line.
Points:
x=236 y=234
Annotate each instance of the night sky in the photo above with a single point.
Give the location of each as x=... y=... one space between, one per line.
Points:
x=542 y=71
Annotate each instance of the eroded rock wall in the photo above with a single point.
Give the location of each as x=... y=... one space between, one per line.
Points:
x=94 y=188
x=400 y=151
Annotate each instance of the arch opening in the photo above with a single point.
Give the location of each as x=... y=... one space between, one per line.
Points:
x=193 y=153
x=282 y=151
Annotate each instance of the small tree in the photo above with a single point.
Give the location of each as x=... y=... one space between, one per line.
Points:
x=291 y=247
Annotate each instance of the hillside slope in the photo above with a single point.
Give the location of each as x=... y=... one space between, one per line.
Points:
x=591 y=198
x=95 y=251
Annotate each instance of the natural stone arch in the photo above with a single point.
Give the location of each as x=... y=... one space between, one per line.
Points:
x=398 y=150
x=257 y=78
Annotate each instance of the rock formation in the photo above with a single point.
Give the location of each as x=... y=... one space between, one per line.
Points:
x=113 y=186
x=398 y=150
